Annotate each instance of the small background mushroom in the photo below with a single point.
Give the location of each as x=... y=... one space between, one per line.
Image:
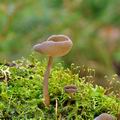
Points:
x=70 y=89
x=105 y=116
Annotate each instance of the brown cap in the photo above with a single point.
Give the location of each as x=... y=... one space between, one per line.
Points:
x=56 y=45
x=105 y=116
x=70 y=89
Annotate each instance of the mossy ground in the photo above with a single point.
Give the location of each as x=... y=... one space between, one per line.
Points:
x=21 y=94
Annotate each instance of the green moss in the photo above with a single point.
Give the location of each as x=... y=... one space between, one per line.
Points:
x=21 y=97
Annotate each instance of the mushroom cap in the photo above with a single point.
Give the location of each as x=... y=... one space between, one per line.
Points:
x=70 y=89
x=105 y=116
x=56 y=45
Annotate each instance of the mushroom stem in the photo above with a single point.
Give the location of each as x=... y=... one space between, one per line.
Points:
x=45 y=82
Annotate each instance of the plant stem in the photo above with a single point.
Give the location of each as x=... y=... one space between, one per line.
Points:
x=45 y=82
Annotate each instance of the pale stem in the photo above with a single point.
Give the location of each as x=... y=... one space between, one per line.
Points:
x=45 y=82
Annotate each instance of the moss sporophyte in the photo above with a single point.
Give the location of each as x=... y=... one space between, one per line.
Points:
x=55 y=46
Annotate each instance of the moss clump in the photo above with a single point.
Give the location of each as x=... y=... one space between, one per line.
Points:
x=21 y=96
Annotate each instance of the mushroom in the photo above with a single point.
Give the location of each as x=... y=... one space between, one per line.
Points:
x=55 y=46
x=105 y=116
x=70 y=89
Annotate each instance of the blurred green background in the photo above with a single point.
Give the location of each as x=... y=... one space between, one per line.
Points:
x=93 y=25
